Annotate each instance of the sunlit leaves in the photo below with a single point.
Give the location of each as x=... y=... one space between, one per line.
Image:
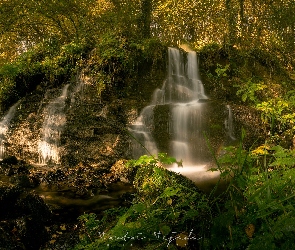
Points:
x=272 y=108
x=188 y=20
x=29 y=22
x=249 y=89
x=283 y=157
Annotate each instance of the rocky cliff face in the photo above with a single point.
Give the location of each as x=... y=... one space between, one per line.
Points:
x=94 y=132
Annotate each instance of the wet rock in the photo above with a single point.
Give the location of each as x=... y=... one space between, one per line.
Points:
x=62 y=236
x=9 y=195
x=118 y=172
x=9 y=160
x=6 y=241
x=28 y=219
x=21 y=180
x=31 y=232
x=93 y=132
x=23 y=217
x=19 y=174
x=33 y=206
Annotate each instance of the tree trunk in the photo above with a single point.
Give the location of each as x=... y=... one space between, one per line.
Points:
x=145 y=18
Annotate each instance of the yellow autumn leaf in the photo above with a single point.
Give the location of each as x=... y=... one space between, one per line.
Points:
x=250 y=229
x=169 y=202
x=182 y=239
x=63 y=227
x=52 y=241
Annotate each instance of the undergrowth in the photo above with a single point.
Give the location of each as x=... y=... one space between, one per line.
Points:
x=166 y=208
x=256 y=211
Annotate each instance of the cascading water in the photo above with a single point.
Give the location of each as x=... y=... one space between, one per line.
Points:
x=229 y=124
x=4 y=127
x=55 y=120
x=183 y=91
x=178 y=115
x=187 y=93
x=53 y=125
x=142 y=134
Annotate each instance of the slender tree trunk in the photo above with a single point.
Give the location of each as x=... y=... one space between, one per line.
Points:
x=232 y=21
x=241 y=20
x=145 y=19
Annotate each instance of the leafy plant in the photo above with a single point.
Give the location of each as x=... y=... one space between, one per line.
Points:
x=249 y=90
x=221 y=71
x=257 y=208
x=166 y=205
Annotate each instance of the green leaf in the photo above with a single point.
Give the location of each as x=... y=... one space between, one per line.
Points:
x=164 y=158
x=165 y=230
x=139 y=207
x=170 y=191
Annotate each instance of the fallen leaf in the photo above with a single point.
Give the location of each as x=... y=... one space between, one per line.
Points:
x=182 y=239
x=52 y=241
x=63 y=227
x=250 y=229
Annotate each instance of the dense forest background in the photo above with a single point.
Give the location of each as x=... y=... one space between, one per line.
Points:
x=268 y=25
x=246 y=49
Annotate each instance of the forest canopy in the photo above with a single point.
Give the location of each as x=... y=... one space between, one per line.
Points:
x=243 y=23
x=119 y=41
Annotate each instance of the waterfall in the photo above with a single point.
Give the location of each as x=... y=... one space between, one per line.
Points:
x=144 y=142
x=78 y=88
x=228 y=123
x=178 y=118
x=4 y=127
x=183 y=93
x=53 y=125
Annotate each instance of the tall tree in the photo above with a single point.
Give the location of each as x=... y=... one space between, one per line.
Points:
x=145 y=18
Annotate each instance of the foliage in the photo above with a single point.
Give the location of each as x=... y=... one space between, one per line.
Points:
x=242 y=23
x=256 y=210
x=249 y=90
x=46 y=62
x=117 y=63
x=93 y=227
x=252 y=77
x=220 y=71
x=165 y=205
x=278 y=113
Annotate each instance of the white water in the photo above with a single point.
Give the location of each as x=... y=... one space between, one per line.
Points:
x=53 y=125
x=178 y=116
x=182 y=91
x=4 y=128
x=141 y=133
x=229 y=125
